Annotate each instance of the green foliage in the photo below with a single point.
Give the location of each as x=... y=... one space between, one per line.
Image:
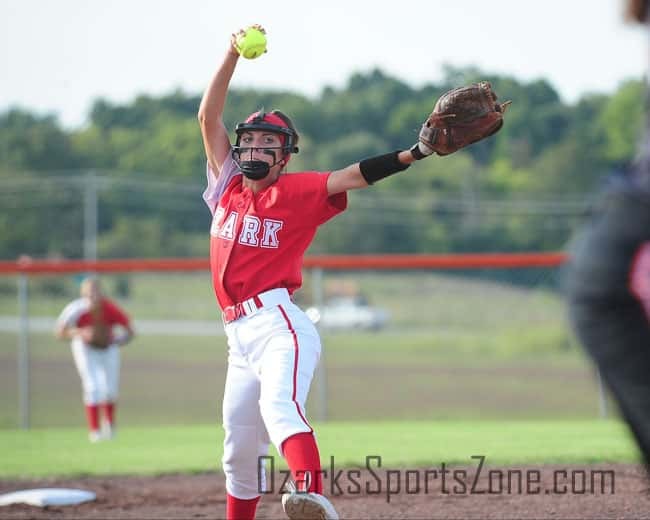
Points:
x=152 y=236
x=547 y=148
x=29 y=142
x=620 y=122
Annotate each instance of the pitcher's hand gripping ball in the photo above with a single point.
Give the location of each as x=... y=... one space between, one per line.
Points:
x=251 y=43
x=463 y=116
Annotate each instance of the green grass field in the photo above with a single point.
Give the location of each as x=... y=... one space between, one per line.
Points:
x=466 y=367
x=170 y=380
x=188 y=449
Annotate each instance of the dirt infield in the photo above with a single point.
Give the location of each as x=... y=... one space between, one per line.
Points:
x=546 y=492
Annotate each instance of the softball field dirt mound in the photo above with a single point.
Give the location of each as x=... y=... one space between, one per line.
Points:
x=604 y=491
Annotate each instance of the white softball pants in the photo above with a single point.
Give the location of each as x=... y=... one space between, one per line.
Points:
x=272 y=355
x=99 y=370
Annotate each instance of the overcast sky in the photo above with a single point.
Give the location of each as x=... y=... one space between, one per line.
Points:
x=59 y=56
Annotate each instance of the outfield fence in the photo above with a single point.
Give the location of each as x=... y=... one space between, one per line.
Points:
x=449 y=336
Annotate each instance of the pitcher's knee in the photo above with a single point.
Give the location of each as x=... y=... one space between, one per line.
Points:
x=244 y=460
x=283 y=418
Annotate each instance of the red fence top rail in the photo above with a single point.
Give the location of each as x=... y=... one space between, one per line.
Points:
x=330 y=262
x=454 y=261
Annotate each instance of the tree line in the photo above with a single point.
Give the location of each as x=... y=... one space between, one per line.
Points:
x=522 y=189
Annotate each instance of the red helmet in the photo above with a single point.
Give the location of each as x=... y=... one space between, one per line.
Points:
x=275 y=122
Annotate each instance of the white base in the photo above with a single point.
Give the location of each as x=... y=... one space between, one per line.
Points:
x=47 y=497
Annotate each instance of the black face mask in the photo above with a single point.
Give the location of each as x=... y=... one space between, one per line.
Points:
x=256 y=170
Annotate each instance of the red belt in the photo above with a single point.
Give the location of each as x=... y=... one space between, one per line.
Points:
x=245 y=308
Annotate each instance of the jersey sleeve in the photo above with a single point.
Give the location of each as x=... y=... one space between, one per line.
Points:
x=70 y=314
x=115 y=315
x=217 y=185
x=316 y=205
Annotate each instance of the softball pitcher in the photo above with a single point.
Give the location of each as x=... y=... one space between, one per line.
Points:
x=263 y=221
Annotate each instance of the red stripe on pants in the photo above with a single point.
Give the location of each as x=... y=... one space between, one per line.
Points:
x=295 y=366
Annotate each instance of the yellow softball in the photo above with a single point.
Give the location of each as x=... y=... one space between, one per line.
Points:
x=251 y=43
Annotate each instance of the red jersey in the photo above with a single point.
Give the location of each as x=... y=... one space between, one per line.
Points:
x=257 y=242
x=78 y=314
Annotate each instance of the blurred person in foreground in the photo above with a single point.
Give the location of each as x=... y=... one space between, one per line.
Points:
x=609 y=282
x=88 y=322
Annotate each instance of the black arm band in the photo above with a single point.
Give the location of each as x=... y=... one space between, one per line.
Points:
x=416 y=153
x=376 y=168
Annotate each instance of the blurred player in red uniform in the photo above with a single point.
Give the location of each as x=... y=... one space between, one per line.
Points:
x=88 y=321
x=263 y=221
